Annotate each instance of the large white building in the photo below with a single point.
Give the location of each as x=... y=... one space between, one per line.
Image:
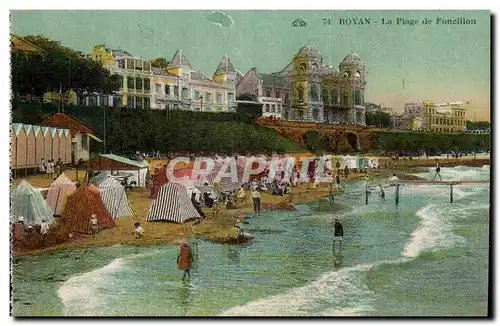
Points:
x=177 y=86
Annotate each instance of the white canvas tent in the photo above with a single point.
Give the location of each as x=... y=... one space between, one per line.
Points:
x=114 y=198
x=172 y=204
x=28 y=202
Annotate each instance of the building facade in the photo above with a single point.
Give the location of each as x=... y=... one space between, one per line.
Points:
x=178 y=86
x=308 y=90
x=440 y=117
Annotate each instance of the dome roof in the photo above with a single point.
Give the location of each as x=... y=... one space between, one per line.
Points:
x=352 y=57
x=309 y=49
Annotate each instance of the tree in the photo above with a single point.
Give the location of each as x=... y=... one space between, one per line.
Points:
x=59 y=68
x=160 y=62
x=378 y=118
x=481 y=125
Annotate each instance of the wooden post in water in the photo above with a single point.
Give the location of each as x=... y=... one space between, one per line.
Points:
x=451 y=193
x=366 y=197
x=397 y=194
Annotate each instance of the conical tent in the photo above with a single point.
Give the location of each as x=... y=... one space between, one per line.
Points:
x=58 y=192
x=28 y=202
x=80 y=205
x=114 y=198
x=172 y=204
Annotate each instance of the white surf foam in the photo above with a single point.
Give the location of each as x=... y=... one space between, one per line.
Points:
x=79 y=294
x=340 y=289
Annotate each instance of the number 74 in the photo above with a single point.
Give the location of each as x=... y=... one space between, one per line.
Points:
x=326 y=21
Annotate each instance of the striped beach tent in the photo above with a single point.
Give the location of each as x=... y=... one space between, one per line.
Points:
x=172 y=204
x=114 y=198
x=28 y=202
x=58 y=192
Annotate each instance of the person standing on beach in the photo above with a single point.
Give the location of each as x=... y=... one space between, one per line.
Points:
x=338 y=234
x=346 y=172
x=44 y=230
x=256 y=200
x=438 y=169
x=42 y=167
x=184 y=259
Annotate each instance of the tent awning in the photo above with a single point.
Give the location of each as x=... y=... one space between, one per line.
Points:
x=95 y=138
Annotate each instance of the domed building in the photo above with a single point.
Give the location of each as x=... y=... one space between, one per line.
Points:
x=309 y=90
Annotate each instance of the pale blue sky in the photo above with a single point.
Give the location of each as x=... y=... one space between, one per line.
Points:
x=437 y=62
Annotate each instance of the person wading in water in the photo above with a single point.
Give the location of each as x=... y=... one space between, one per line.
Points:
x=185 y=259
x=382 y=192
x=338 y=234
x=438 y=169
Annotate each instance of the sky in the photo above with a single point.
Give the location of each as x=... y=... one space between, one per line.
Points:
x=437 y=62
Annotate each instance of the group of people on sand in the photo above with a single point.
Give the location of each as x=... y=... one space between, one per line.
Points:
x=25 y=236
x=50 y=168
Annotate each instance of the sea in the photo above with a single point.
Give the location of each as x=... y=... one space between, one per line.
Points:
x=424 y=257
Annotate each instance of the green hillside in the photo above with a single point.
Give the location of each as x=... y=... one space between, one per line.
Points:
x=129 y=130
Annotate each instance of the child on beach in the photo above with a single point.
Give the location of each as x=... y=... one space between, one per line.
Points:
x=93 y=225
x=138 y=230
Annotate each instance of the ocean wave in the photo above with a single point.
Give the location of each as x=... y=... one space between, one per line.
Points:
x=79 y=294
x=435 y=230
x=340 y=289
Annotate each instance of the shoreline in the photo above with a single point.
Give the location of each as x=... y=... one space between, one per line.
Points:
x=218 y=229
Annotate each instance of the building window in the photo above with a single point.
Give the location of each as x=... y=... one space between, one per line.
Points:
x=218 y=98
x=230 y=97
x=147 y=103
x=138 y=64
x=147 y=66
x=357 y=97
x=85 y=142
x=314 y=93
x=266 y=107
x=185 y=92
x=130 y=102
x=279 y=108
x=130 y=82
x=80 y=100
x=315 y=114
x=138 y=83
x=138 y=102
x=300 y=92
x=103 y=100
x=287 y=97
x=268 y=93
x=326 y=96
x=278 y=94
x=121 y=63
x=130 y=63
x=167 y=89
x=196 y=95
x=117 y=101
x=208 y=98
x=345 y=99
x=273 y=108
x=92 y=100
x=176 y=91
x=147 y=84
x=157 y=88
